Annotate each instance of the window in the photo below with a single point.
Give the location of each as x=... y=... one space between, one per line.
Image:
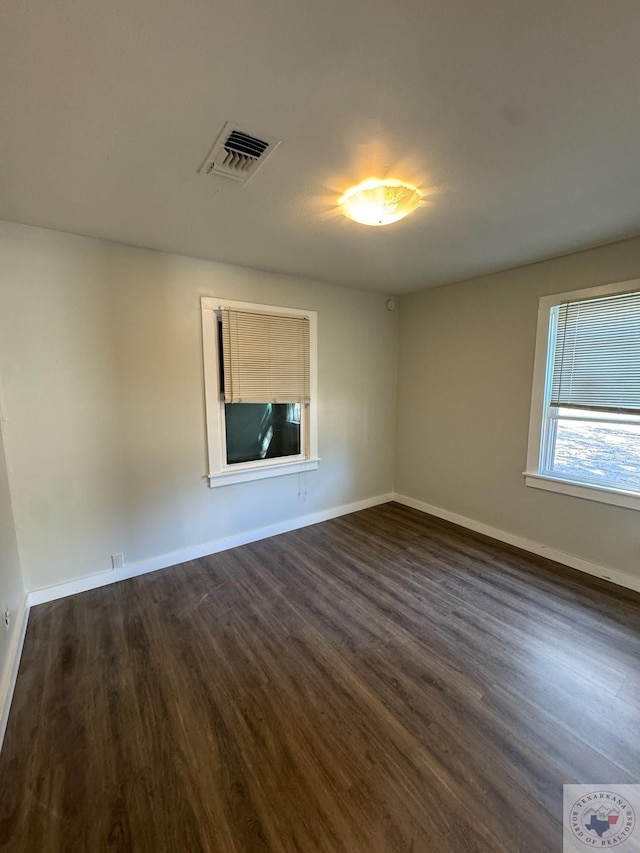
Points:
x=584 y=434
x=260 y=390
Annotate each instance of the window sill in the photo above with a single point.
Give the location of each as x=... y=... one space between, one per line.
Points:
x=261 y=472
x=616 y=497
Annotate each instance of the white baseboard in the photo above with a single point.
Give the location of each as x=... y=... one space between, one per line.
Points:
x=193 y=552
x=9 y=679
x=571 y=560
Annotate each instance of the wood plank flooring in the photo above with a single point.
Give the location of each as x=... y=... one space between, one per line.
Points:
x=379 y=683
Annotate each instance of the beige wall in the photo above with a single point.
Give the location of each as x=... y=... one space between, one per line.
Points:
x=100 y=347
x=465 y=371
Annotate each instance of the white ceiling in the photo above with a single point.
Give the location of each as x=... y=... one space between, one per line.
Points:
x=519 y=120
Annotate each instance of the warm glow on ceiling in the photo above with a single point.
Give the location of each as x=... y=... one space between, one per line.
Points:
x=379 y=202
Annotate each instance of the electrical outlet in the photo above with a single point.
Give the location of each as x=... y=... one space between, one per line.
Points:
x=7 y=617
x=117 y=561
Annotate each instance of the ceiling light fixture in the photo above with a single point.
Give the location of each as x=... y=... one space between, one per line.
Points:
x=380 y=202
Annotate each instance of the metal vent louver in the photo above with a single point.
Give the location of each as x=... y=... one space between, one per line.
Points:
x=237 y=154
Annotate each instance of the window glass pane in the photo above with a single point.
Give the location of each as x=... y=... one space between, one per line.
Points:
x=261 y=431
x=598 y=452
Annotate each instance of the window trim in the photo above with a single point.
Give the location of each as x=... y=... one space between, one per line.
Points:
x=220 y=473
x=534 y=475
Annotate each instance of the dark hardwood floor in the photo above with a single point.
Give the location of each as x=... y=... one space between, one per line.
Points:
x=379 y=683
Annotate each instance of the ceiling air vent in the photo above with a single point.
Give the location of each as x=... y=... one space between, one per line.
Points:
x=237 y=154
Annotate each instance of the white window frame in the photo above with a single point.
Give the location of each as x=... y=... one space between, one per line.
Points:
x=220 y=473
x=542 y=420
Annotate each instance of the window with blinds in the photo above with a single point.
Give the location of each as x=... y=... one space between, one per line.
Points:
x=260 y=381
x=265 y=357
x=585 y=423
x=596 y=359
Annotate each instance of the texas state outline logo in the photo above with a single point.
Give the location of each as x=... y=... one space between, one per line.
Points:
x=600 y=818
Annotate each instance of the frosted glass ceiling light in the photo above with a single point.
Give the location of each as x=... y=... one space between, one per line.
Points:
x=379 y=202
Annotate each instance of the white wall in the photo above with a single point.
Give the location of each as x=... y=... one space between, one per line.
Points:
x=12 y=592
x=465 y=371
x=100 y=348
x=100 y=354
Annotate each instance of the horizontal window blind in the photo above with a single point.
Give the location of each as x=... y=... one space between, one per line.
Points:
x=596 y=362
x=265 y=357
